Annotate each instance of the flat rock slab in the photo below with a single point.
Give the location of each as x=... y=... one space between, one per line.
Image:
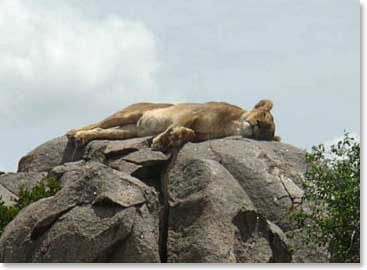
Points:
x=123 y=147
x=103 y=150
x=147 y=157
x=124 y=166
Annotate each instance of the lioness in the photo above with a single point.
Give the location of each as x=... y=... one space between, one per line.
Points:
x=175 y=124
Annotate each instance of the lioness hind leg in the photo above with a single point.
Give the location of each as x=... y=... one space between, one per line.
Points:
x=129 y=115
x=117 y=119
x=85 y=136
x=173 y=137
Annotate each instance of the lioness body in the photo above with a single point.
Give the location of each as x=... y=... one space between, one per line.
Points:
x=175 y=124
x=208 y=120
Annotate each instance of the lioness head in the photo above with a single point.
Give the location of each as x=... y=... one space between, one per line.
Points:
x=258 y=123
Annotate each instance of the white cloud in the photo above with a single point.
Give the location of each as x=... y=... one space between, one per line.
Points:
x=55 y=61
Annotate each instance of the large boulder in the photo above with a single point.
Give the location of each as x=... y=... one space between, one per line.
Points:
x=224 y=200
x=269 y=172
x=44 y=157
x=212 y=219
x=99 y=215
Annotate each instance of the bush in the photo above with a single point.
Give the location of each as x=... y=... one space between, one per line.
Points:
x=45 y=188
x=332 y=196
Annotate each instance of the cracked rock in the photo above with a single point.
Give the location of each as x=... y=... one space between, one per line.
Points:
x=245 y=160
x=224 y=200
x=97 y=213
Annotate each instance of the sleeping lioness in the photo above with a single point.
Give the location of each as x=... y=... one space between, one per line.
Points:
x=175 y=124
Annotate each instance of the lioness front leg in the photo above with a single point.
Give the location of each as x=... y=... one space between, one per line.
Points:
x=173 y=137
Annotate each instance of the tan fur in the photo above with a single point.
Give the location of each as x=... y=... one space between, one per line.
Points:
x=173 y=125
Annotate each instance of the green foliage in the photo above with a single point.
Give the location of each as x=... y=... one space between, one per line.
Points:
x=7 y=214
x=332 y=196
x=45 y=188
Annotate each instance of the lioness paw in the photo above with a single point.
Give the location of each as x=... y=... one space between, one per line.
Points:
x=71 y=133
x=81 y=138
x=157 y=145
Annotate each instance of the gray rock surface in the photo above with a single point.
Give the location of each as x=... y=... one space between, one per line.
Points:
x=260 y=168
x=15 y=181
x=97 y=213
x=224 y=200
x=44 y=157
x=11 y=184
x=212 y=219
x=7 y=197
x=304 y=251
x=101 y=150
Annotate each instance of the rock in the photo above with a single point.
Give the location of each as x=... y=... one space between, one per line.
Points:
x=304 y=251
x=123 y=147
x=258 y=166
x=15 y=181
x=44 y=157
x=224 y=200
x=295 y=193
x=7 y=197
x=99 y=215
x=147 y=157
x=279 y=243
x=212 y=219
x=122 y=165
x=101 y=150
x=12 y=183
x=132 y=156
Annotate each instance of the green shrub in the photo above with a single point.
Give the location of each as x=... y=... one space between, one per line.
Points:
x=45 y=188
x=332 y=196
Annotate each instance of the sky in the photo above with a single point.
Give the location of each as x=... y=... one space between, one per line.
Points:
x=67 y=63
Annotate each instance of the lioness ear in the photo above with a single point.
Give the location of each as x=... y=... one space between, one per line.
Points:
x=277 y=138
x=264 y=104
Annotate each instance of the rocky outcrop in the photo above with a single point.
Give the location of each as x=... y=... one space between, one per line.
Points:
x=44 y=157
x=225 y=200
x=99 y=215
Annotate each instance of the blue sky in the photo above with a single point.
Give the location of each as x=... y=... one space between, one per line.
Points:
x=66 y=64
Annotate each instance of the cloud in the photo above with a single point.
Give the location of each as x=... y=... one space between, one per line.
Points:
x=58 y=62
